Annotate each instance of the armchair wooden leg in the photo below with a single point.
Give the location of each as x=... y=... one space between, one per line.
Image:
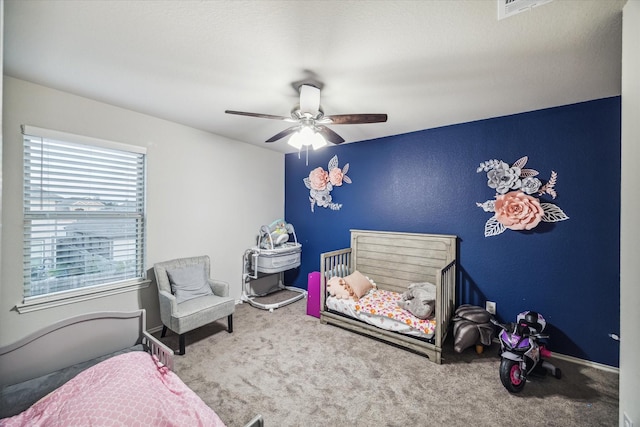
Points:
x=181 y=339
x=230 y=323
x=164 y=331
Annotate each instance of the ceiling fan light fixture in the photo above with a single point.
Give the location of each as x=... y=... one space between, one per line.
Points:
x=318 y=141
x=295 y=141
x=305 y=137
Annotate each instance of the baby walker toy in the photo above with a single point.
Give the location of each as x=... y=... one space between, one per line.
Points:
x=521 y=352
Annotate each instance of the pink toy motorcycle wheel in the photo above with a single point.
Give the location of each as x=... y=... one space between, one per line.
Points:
x=511 y=375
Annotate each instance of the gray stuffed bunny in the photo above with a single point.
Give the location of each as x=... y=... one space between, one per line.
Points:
x=419 y=299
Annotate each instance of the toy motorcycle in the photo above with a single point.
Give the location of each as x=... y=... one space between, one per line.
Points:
x=521 y=352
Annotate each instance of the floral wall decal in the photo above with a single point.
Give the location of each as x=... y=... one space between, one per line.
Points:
x=321 y=182
x=517 y=205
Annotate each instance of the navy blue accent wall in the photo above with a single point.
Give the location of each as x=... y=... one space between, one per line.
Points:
x=427 y=182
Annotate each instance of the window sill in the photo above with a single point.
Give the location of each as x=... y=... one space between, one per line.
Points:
x=79 y=295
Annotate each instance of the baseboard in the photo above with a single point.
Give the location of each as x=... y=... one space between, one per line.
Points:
x=579 y=361
x=586 y=363
x=154 y=330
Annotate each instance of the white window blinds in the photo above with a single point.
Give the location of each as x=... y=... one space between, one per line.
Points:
x=84 y=212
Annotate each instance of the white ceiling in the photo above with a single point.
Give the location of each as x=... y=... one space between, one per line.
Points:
x=424 y=63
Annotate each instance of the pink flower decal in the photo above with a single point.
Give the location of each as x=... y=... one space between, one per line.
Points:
x=335 y=177
x=318 y=179
x=518 y=211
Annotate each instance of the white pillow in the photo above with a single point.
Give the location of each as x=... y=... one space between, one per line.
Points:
x=189 y=282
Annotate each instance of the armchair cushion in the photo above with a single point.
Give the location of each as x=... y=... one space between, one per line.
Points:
x=189 y=282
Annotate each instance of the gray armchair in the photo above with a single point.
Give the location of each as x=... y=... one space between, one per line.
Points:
x=188 y=297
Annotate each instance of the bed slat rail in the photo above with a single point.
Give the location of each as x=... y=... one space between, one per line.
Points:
x=158 y=349
x=335 y=263
x=445 y=305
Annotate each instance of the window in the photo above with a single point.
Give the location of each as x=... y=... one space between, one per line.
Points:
x=84 y=215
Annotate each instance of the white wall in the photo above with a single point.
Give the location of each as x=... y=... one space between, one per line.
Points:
x=629 y=227
x=206 y=195
x=1 y=137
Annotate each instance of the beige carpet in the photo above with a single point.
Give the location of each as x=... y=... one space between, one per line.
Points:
x=296 y=371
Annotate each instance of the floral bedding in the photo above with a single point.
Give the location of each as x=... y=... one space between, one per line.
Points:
x=126 y=390
x=379 y=308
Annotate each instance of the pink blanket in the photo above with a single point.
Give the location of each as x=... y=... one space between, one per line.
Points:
x=131 y=389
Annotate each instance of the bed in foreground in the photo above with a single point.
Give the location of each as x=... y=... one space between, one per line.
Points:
x=393 y=261
x=97 y=369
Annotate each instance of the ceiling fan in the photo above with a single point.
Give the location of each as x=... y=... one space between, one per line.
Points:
x=310 y=126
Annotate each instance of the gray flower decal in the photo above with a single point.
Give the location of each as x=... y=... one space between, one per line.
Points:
x=503 y=177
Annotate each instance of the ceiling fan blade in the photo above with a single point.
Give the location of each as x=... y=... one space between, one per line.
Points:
x=353 y=119
x=264 y=116
x=330 y=135
x=282 y=134
x=309 y=99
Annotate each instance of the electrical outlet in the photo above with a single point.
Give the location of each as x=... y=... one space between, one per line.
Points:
x=627 y=420
x=490 y=306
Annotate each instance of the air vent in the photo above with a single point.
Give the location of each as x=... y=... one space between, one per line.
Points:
x=508 y=8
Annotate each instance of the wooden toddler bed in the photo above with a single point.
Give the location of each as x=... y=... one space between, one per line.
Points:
x=394 y=260
x=97 y=369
